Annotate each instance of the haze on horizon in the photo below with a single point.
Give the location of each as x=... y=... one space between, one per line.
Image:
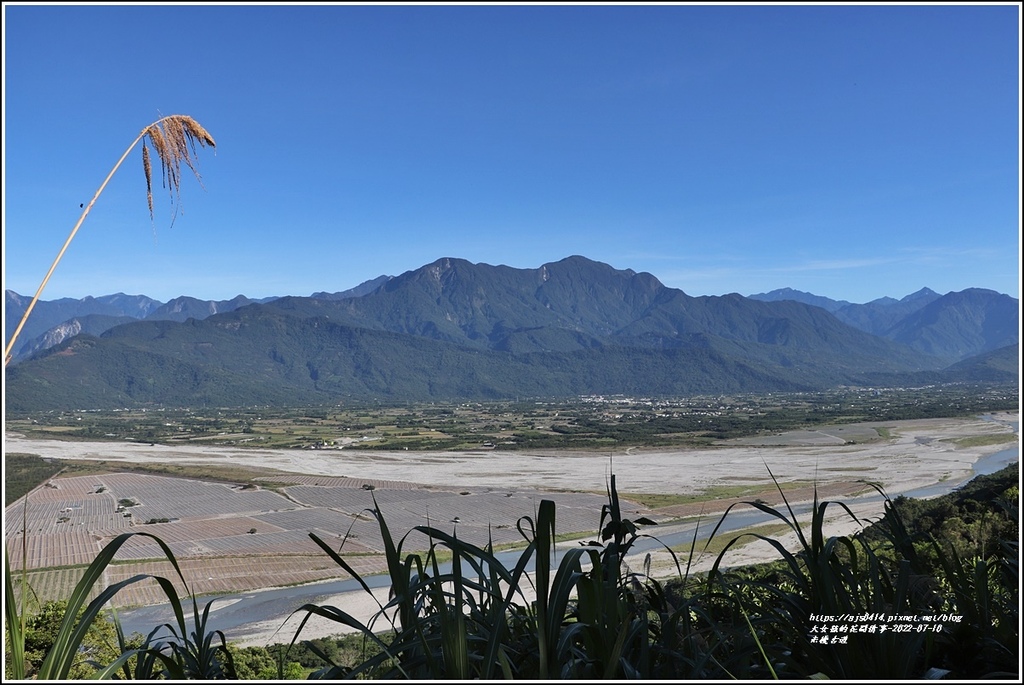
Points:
x=358 y=285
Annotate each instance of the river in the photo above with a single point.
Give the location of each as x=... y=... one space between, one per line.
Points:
x=241 y=609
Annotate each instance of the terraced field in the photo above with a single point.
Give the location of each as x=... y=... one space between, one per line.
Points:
x=232 y=538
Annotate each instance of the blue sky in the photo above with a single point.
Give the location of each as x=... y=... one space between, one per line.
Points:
x=849 y=151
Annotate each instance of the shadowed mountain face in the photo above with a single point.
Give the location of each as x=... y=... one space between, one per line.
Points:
x=951 y=327
x=453 y=329
x=961 y=325
x=879 y=316
x=580 y=303
x=481 y=305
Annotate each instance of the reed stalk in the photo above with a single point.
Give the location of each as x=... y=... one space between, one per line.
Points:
x=174 y=138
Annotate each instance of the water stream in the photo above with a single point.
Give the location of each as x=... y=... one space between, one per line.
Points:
x=240 y=609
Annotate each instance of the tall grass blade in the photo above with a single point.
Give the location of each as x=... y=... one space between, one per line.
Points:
x=545 y=550
x=15 y=617
x=15 y=623
x=57 y=663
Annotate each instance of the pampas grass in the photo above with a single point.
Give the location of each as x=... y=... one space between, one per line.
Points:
x=174 y=139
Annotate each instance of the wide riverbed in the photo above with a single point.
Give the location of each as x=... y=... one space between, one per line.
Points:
x=917 y=453
x=920 y=458
x=262 y=617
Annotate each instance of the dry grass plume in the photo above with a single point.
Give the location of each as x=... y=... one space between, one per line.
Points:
x=174 y=138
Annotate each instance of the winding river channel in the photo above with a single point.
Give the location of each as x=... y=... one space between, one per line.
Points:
x=238 y=610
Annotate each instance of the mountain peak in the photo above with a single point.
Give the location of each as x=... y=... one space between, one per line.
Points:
x=780 y=294
x=364 y=288
x=923 y=292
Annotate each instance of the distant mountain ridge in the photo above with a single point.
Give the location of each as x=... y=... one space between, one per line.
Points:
x=364 y=288
x=954 y=326
x=875 y=317
x=50 y=313
x=184 y=308
x=961 y=324
x=454 y=329
x=878 y=317
x=782 y=294
x=93 y=315
x=52 y=322
x=577 y=304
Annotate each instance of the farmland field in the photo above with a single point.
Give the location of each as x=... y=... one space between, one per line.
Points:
x=242 y=520
x=242 y=537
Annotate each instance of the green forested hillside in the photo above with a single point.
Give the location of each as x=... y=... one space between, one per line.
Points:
x=456 y=330
x=959 y=324
x=297 y=362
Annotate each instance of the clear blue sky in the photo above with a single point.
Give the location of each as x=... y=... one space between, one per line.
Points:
x=849 y=151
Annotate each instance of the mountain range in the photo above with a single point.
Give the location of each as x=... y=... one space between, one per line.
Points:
x=457 y=330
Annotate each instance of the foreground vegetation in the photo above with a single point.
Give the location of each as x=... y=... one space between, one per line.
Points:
x=929 y=591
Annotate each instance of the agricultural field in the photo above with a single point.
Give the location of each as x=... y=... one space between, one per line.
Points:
x=235 y=495
x=236 y=537
x=590 y=422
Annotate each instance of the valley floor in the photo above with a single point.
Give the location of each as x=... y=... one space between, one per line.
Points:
x=901 y=456
x=916 y=453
